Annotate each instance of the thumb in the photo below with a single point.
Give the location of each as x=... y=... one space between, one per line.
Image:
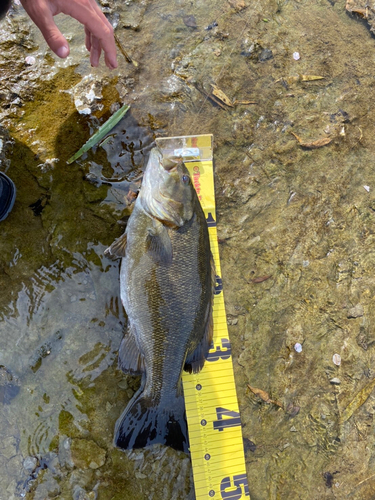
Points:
x=55 y=39
x=40 y=12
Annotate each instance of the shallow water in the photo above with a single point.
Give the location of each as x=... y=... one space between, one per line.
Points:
x=296 y=226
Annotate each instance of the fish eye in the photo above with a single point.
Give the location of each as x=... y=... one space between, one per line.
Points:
x=185 y=179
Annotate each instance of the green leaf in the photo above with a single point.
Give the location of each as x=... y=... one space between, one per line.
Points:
x=101 y=132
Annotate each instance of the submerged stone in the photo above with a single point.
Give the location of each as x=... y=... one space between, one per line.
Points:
x=86 y=453
x=80 y=494
x=336 y=358
x=265 y=55
x=30 y=464
x=355 y=312
x=335 y=381
x=9 y=385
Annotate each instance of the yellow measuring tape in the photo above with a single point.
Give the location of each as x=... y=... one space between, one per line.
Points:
x=213 y=416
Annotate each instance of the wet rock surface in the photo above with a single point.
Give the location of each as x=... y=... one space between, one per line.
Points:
x=9 y=385
x=296 y=230
x=86 y=453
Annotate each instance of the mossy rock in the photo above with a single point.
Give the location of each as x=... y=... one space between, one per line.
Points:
x=86 y=453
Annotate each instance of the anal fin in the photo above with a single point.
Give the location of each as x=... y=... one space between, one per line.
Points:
x=195 y=361
x=130 y=359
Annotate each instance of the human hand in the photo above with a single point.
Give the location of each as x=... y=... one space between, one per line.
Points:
x=98 y=30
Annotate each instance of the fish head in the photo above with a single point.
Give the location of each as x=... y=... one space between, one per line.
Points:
x=167 y=192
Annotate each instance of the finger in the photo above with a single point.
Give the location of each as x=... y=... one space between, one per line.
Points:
x=87 y=39
x=56 y=41
x=89 y=14
x=105 y=35
x=95 y=51
x=107 y=62
x=42 y=17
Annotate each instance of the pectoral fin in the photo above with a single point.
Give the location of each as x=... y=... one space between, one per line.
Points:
x=117 y=249
x=159 y=243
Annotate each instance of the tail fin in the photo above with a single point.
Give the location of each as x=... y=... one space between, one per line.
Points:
x=144 y=424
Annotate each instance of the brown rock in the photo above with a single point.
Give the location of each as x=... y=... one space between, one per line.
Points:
x=86 y=453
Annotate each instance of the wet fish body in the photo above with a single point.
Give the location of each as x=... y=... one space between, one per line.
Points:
x=166 y=283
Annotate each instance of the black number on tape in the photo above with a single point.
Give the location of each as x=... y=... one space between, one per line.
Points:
x=236 y=482
x=222 y=423
x=221 y=352
x=211 y=222
x=218 y=285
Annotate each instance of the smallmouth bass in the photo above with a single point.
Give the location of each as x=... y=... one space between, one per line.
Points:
x=167 y=283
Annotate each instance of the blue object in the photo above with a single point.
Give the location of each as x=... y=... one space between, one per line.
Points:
x=7 y=195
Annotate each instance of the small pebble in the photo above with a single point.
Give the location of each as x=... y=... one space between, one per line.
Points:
x=123 y=384
x=249 y=445
x=296 y=56
x=140 y=475
x=30 y=60
x=190 y=21
x=30 y=464
x=211 y=26
x=298 y=347
x=367 y=188
x=265 y=55
x=335 y=381
x=336 y=359
x=355 y=312
x=292 y=411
